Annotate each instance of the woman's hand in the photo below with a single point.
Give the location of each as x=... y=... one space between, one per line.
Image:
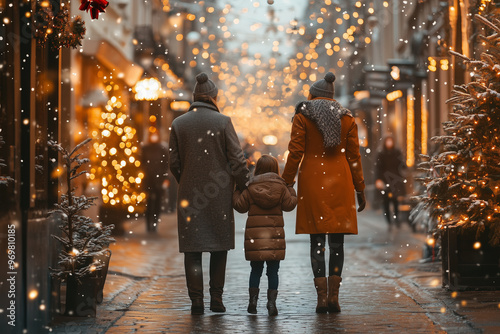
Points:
x=361 y=200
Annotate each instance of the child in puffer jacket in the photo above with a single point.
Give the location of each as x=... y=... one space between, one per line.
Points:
x=265 y=199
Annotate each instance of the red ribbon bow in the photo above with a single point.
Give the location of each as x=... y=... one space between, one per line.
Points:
x=95 y=6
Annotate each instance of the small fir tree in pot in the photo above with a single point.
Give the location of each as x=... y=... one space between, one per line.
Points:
x=4 y=180
x=85 y=253
x=463 y=179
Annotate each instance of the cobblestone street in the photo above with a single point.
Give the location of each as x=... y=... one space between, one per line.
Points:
x=385 y=289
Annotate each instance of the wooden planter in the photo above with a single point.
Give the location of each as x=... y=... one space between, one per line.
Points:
x=83 y=295
x=102 y=274
x=467 y=268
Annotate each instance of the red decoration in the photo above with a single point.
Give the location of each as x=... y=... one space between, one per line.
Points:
x=95 y=6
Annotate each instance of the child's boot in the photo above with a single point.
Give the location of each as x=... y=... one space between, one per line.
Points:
x=271 y=302
x=252 y=303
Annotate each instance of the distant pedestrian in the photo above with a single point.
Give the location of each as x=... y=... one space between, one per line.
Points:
x=324 y=142
x=265 y=199
x=206 y=159
x=155 y=164
x=389 y=179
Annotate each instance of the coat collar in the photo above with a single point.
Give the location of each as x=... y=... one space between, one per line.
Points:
x=203 y=105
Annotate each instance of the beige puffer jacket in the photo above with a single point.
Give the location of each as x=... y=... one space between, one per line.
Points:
x=265 y=199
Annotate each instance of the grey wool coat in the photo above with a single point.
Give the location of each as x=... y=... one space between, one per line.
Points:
x=206 y=159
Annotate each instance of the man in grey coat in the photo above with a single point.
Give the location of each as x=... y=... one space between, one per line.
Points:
x=207 y=160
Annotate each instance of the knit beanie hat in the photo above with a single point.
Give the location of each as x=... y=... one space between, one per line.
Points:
x=324 y=87
x=205 y=86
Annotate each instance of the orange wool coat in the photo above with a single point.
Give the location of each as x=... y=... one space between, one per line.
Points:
x=328 y=177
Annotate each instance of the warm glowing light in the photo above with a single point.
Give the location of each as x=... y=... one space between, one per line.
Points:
x=477 y=245
x=395 y=73
x=410 y=130
x=33 y=294
x=444 y=64
x=180 y=105
x=270 y=140
x=148 y=89
x=425 y=117
x=393 y=96
x=432 y=64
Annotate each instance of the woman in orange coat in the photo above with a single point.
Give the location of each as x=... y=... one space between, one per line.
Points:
x=324 y=138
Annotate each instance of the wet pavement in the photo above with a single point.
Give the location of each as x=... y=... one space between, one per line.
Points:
x=385 y=289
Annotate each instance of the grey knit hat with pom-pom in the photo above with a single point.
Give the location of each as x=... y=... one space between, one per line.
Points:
x=324 y=87
x=205 y=86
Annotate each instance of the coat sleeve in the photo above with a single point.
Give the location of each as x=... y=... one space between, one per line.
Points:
x=235 y=156
x=173 y=157
x=289 y=200
x=354 y=158
x=241 y=201
x=295 y=148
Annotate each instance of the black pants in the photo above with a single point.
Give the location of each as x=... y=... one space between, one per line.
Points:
x=336 y=263
x=194 y=273
x=388 y=199
x=271 y=272
x=153 y=208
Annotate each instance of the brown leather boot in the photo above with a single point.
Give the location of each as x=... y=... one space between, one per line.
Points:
x=321 y=288
x=333 y=293
x=271 y=302
x=252 y=303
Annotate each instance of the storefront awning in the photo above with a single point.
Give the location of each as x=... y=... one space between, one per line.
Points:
x=114 y=60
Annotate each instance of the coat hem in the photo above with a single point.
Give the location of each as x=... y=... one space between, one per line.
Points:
x=206 y=250
x=319 y=232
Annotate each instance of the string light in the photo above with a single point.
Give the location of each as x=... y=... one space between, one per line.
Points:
x=114 y=161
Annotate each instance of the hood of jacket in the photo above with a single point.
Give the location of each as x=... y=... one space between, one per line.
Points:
x=266 y=190
x=326 y=114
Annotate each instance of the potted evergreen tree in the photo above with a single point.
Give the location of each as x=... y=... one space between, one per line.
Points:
x=463 y=179
x=85 y=254
x=4 y=180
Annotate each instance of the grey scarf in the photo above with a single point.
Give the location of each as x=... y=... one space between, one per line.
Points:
x=326 y=114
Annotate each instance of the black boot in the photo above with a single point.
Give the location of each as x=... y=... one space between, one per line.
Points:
x=194 y=281
x=252 y=303
x=197 y=307
x=217 y=279
x=271 y=302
